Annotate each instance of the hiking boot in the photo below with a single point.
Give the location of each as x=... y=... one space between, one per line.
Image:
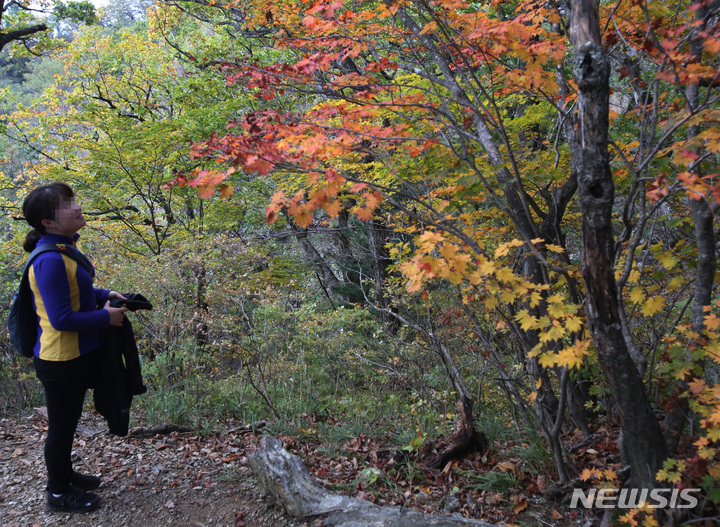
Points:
x=85 y=482
x=74 y=499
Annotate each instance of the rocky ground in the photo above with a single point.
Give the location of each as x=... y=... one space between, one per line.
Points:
x=177 y=478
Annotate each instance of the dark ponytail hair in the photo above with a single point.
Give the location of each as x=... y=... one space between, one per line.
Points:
x=40 y=205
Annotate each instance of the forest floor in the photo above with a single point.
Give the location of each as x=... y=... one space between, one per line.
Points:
x=188 y=479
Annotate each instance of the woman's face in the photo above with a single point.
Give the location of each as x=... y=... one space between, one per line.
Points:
x=68 y=219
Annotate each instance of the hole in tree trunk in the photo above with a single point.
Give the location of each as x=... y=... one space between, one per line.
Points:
x=596 y=190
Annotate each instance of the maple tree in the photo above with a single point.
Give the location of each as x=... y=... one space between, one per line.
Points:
x=473 y=128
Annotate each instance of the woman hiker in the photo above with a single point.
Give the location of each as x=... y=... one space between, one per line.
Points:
x=69 y=321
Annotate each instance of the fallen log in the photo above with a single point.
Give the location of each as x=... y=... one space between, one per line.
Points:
x=288 y=481
x=246 y=429
x=163 y=429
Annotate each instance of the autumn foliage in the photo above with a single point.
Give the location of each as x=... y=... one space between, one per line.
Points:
x=537 y=184
x=457 y=125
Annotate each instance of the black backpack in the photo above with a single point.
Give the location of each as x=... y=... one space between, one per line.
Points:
x=22 y=319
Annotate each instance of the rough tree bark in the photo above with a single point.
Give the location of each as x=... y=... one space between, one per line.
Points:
x=289 y=482
x=464 y=439
x=643 y=441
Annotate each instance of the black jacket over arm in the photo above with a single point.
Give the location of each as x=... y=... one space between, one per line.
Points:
x=117 y=374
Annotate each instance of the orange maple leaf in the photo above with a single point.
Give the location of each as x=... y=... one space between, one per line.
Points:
x=333 y=208
x=364 y=213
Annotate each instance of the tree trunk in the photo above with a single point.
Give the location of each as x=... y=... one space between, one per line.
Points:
x=463 y=440
x=200 y=317
x=330 y=282
x=642 y=442
x=377 y=238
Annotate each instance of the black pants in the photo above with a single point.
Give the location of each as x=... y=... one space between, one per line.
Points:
x=65 y=384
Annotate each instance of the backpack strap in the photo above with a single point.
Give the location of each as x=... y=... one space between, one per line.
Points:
x=62 y=248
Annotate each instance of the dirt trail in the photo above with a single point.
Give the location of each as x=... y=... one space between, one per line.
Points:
x=176 y=479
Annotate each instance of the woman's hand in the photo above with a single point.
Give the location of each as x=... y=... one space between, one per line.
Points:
x=115 y=294
x=117 y=314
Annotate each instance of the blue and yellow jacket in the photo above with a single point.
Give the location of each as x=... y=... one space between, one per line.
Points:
x=66 y=304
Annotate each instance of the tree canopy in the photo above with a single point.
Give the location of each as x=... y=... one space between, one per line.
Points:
x=527 y=188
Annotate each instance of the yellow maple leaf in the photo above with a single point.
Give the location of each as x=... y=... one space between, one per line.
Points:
x=675 y=283
x=504 y=248
x=650 y=521
x=672 y=477
x=679 y=373
x=712 y=433
x=525 y=319
x=522 y=287
x=557 y=310
x=668 y=260
x=456 y=278
x=535 y=352
x=713 y=350
x=707 y=452
x=547 y=360
x=544 y=322
x=554 y=333
x=535 y=298
x=573 y=356
x=507 y=296
x=475 y=278
x=637 y=295
x=573 y=324
x=486 y=267
x=568 y=358
x=505 y=274
x=653 y=305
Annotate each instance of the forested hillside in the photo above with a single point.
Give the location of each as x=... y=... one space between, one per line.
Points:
x=482 y=234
